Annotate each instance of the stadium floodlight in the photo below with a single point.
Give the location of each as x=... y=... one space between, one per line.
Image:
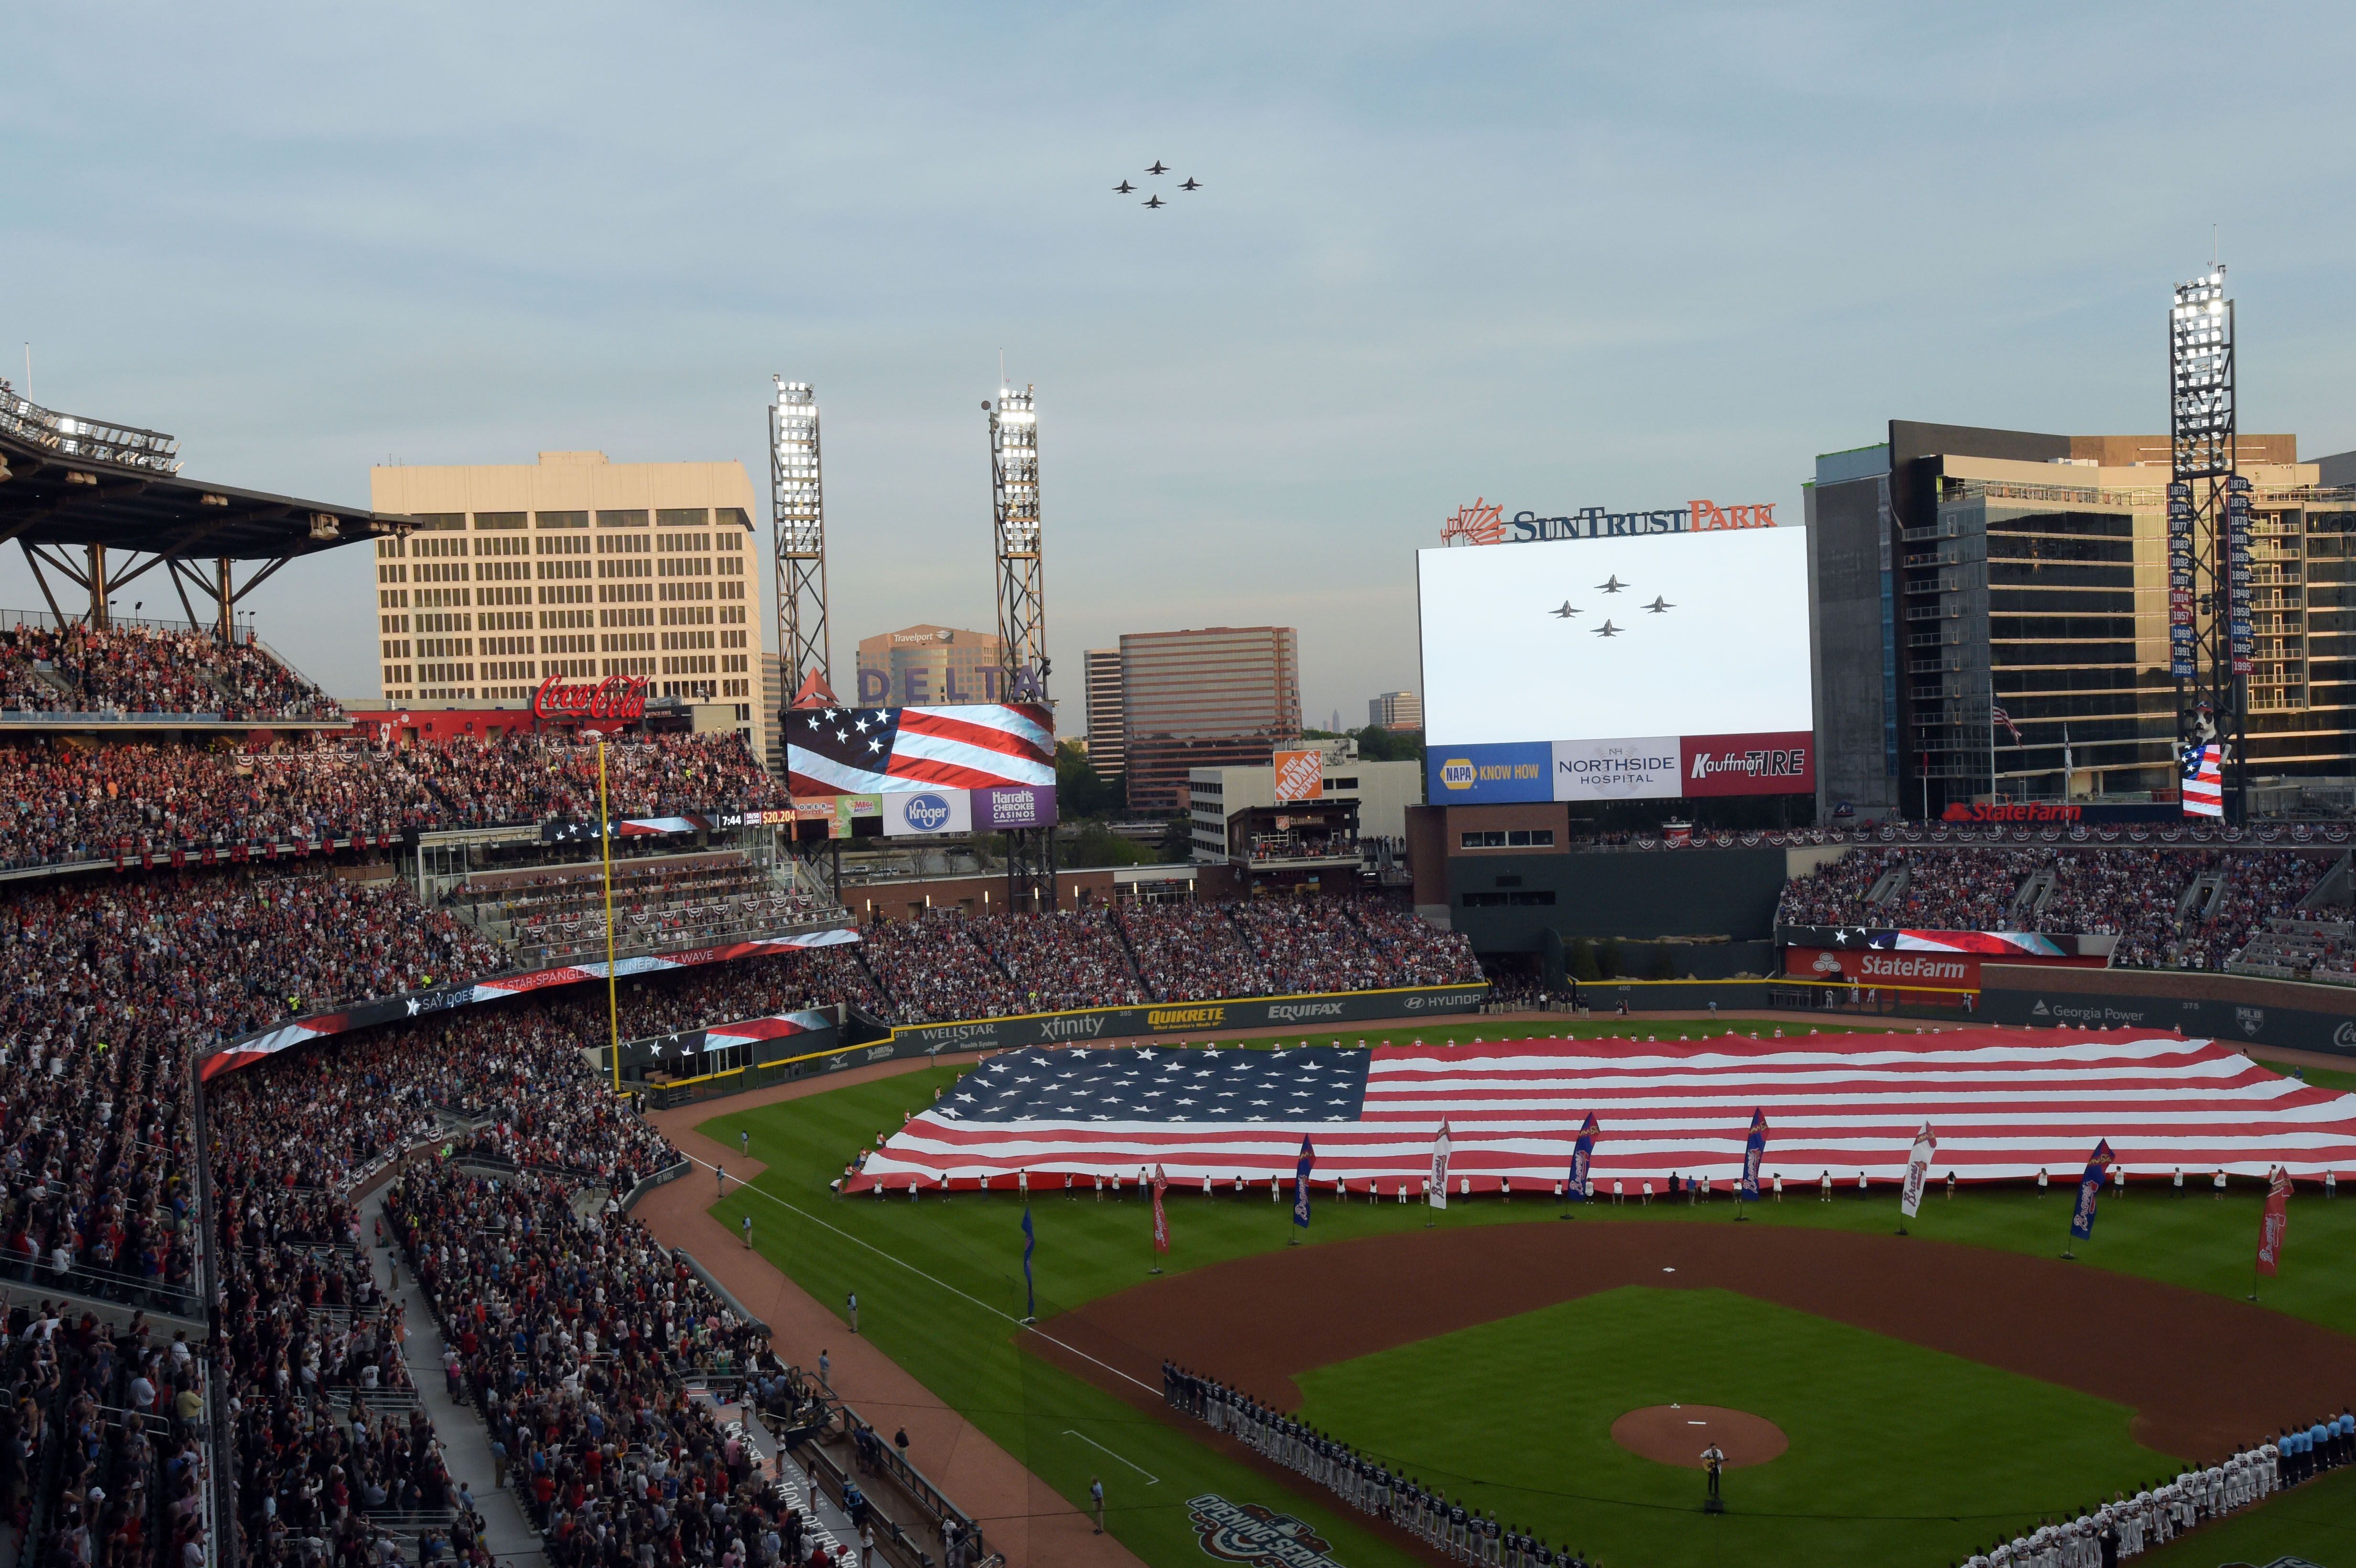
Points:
x=798 y=536
x=87 y=440
x=2210 y=641
x=1022 y=612
x=2201 y=375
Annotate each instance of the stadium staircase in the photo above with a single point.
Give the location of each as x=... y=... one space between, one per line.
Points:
x=1129 y=956
x=1890 y=885
x=2035 y=889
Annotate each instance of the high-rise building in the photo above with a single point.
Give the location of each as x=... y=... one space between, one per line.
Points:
x=1396 y=711
x=571 y=567
x=1991 y=613
x=1222 y=696
x=928 y=665
x=1108 y=747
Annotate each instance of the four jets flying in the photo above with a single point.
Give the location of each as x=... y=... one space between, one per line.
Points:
x=1155 y=201
x=1610 y=585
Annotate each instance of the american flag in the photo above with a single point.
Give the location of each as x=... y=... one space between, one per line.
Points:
x=882 y=751
x=2005 y=1104
x=2204 y=788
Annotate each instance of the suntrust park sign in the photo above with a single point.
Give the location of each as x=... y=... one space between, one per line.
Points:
x=1481 y=523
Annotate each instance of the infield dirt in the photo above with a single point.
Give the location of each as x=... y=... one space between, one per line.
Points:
x=1677 y=1434
x=2204 y=1374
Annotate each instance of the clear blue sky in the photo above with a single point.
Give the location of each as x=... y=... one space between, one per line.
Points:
x=1554 y=255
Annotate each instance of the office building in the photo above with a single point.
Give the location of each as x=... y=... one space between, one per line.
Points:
x=1108 y=747
x=1396 y=711
x=927 y=666
x=1992 y=620
x=573 y=568
x=1221 y=697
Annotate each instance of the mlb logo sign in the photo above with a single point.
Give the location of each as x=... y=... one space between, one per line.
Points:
x=1300 y=775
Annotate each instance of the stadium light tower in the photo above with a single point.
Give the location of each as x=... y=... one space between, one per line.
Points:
x=797 y=535
x=1022 y=613
x=2209 y=641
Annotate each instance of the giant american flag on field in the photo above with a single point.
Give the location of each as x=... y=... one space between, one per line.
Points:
x=2003 y=1103
x=884 y=751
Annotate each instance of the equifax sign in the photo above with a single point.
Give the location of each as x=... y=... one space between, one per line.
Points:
x=1482 y=523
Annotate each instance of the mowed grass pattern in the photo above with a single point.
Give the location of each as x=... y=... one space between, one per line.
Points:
x=1898 y=1454
x=964 y=1350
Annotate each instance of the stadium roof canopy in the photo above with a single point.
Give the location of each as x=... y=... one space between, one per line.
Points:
x=94 y=488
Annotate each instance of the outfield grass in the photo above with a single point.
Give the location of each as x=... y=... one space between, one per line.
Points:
x=1898 y=1454
x=2317 y=1522
x=961 y=1345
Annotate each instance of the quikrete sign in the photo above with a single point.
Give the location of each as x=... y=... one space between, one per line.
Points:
x=1481 y=523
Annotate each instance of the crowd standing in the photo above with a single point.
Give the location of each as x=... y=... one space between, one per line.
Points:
x=144 y=669
x=67 y=799
x=2130 y=892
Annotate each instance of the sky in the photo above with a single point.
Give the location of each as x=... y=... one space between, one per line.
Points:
x=1551 y=256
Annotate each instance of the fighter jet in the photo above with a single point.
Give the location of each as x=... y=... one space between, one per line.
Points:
x=1614 y=586
x=1566 y=611
x=1189 y=183
x=1123 y=188
x=1157 y=168
x=1659 y=604
x=1153 y=201
x=1609 y=630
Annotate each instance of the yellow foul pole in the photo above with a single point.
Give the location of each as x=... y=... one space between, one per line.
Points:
x=605 y=847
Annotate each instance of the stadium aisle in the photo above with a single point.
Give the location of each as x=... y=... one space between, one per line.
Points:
x=830 y=1528
x=466 y=1443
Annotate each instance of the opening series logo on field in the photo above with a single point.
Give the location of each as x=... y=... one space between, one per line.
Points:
x=1250 y=1533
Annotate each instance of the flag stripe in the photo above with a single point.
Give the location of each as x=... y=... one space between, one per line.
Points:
x=2006 y=1103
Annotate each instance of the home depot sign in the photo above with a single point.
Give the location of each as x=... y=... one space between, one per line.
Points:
x=1300 y=775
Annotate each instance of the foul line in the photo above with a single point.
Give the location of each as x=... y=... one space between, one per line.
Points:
x=1151 y=1478
x=920 y=1274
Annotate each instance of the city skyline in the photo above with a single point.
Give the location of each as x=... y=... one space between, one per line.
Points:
x=1550 y=261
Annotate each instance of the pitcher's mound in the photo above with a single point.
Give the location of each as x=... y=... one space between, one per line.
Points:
x=1676 y=1434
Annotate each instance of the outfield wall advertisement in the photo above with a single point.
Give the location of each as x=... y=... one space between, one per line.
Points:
x=2291 y=1015
x=1551 y=671
x=1079 y=1027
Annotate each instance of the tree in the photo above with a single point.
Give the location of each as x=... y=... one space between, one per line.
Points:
x=1608 y=959
x=1080 y=790
x=1582 y=961
x=1376 y=744
x=1664 y=967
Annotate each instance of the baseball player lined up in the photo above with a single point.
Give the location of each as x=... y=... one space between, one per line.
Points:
x=1464 y=1534
x=2127 y=1526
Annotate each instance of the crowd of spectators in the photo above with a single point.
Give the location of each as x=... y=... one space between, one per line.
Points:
x=206 y=956
x=1062 y=958
x=573 y=1335
x=65 y=799
x=146 y=670
x=934 y=968
x=1192 y=951
x=671 y=902
x=2138 y=895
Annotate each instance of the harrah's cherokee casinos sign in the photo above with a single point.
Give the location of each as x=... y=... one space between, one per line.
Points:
x=620 y=698
x=1481 y=523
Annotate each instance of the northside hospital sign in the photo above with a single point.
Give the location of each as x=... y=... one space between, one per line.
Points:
x=1481 y=523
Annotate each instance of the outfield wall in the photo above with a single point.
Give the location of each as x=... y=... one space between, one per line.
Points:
x=2292 y=1015
x=1082 y=1025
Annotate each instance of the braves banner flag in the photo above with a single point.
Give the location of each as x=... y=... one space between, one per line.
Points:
x=1755 y=1149
x=2276 y=1222
x=1438 y=1197
x=1918 y=1172
x=1300 y=1182
x=2090 y=1187
x=1582 y=1158
x=1161 y=1220
x=1030 y=1290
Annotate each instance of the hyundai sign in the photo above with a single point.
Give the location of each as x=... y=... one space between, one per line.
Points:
x=1636 y=666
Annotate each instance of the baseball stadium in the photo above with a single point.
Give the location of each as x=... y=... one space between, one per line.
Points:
x=580 y=1131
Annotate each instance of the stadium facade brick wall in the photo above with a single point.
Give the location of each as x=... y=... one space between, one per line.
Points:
x=2288 y=1014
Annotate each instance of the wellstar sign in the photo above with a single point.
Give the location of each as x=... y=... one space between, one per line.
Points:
x=1481 y=523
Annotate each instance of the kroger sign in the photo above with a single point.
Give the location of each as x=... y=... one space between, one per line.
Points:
x=1482 y=523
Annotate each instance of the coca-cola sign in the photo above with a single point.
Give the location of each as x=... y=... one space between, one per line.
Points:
x=617 y=697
